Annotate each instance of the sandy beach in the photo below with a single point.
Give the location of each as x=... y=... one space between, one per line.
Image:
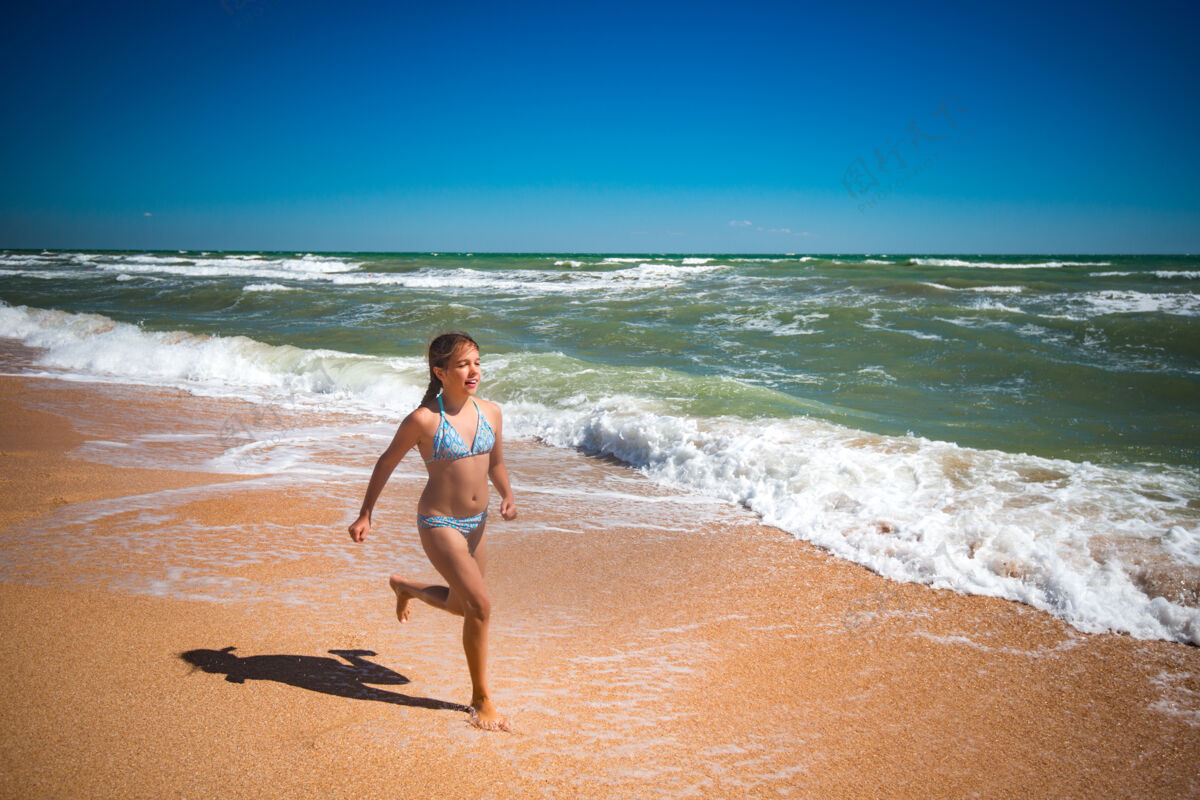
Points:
x=663 y=659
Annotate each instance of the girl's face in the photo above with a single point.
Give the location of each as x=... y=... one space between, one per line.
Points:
x=462 y=372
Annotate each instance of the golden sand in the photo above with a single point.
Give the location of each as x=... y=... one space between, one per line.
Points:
x=664 y=659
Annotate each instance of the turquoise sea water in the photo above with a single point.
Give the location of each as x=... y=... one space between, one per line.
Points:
x=988 y=406
x=1080 y=357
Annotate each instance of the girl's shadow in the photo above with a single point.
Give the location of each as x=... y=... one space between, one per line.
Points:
x=317 y=674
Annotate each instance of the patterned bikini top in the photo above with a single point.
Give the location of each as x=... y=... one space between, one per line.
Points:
x=448 y=444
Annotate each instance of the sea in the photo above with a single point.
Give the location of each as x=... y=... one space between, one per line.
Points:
x=1015 y=426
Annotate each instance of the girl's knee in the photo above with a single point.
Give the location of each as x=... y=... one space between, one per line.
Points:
x=477 y=607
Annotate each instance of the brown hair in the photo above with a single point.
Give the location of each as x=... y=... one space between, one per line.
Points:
x=438 y=354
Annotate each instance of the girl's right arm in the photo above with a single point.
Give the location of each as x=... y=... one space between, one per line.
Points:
x=407 y=436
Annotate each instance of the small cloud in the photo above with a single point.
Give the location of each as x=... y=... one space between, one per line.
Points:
x=147 y=214
x=740 y=223
x=779 y=230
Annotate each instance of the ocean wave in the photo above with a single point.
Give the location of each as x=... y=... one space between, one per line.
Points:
x=990 y=289
x=987 y=304
x=997 y=289
x=634 y=274
x=1100 y=547
x=955 y=262
x=800 y=325
x=983 y=522
x=674 y=271
x=95 y=346
x=301 y=267
x=50 y=274
x=24 y=260
x=1133 y=302
x=531 y=283
x=1162 y=274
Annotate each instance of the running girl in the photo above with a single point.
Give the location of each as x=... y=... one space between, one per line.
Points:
x=459 y=437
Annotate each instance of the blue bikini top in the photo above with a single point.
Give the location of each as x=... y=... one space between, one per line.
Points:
x=448 y=444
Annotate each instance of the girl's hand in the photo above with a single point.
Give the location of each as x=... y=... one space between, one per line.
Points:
x=508 y=509
x=358 y=531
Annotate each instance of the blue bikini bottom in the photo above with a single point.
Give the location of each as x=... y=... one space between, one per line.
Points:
x=464 y=525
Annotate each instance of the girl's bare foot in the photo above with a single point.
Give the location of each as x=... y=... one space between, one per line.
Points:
x=402 y=597
x=485 y=716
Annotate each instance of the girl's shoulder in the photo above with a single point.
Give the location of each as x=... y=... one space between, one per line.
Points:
x=489 y=409
x=489 y=405
x=422 y=417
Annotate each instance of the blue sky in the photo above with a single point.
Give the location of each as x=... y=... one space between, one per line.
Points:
x=640 y=127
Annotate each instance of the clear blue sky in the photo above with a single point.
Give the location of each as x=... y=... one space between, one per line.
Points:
x=1066 y=127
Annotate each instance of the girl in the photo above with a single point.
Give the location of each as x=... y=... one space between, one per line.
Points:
x=459 y=439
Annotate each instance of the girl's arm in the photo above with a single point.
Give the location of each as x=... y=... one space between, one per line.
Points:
x=407 y=436
x=499 y=473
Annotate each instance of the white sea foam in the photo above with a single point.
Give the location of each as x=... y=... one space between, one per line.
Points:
x=877 y=373
x=305 y=266
x=1163 y=274
x=643 y=275
x=92 y=345
x=1132 y=302
x=990 y=289
x=801 y=325
x=904 y=331
x=640 y=273
x=21 y=260
x=987 y=304
x=52 y=274
x=955 y=262
x=1085 y=542
x=983 y=522
x=675 y=271
x=266 y=287
x=764 y=320
x=997 y=289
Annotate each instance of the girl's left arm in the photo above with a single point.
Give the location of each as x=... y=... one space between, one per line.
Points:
x=499 y=473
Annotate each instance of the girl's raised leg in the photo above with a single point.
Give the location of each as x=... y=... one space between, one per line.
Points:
x=461 y=563
x=434 y=594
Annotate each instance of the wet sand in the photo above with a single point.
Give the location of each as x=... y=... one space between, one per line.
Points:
x=692 y=653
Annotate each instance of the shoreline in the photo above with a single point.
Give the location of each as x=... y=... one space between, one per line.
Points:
x=663 y=659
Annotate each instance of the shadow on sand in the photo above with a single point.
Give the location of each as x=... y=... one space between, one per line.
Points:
x=317 y=674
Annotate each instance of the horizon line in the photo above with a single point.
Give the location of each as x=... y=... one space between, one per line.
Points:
x=585 y=253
